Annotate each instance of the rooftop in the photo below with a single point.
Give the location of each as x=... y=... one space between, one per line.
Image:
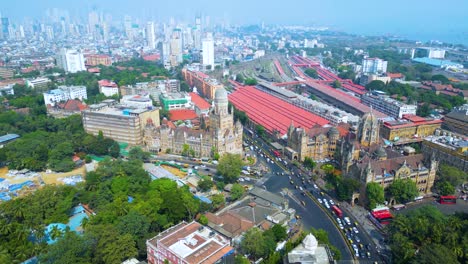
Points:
x=182 y=114
x=271 y=112
x=199 y=101
x=410 y=121
x=193 y=242
x=8 y=137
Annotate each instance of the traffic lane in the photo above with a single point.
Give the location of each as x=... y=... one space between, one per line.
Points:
x=313 y=216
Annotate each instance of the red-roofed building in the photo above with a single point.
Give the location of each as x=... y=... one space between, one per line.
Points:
x=151 y=57
x=182 y=115
x=66 y=109
x=108 y=88
x=94 y=70
x=201 y=105
x=274 y=114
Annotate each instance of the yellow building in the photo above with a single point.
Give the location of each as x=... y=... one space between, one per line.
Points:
x=409 y=129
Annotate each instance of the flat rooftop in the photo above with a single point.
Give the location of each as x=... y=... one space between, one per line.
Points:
x=193 y=242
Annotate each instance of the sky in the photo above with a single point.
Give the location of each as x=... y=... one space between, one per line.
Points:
x=416 y=19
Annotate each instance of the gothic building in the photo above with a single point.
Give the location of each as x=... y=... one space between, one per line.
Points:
x=318 y=143
x=364 y=158
x=221 y=136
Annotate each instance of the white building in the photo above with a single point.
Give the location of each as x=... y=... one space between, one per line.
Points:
x=208 y=52
x=309 y=252
x=150 y=35
x=374 y=65
x=137 y=101
x=387 y=105
x=71 y=60
x=176 y=47
x=38 y=83
x=108 y=88
x=64 y=93
x=7 y=90
x=435 y=53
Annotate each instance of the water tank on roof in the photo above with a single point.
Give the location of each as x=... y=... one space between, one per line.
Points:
x=126 y=112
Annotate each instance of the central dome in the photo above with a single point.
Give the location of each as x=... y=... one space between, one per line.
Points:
x=221 y=94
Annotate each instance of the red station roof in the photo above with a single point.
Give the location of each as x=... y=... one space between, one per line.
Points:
x=201 y=103
x=271 y=112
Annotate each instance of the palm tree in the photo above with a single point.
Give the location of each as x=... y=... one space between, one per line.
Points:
x=55 y=232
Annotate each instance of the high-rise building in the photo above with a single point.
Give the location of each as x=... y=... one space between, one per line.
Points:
x=4 y=29
x=150 y=35
x=93 y=21
x=71 y=60
x=374 y=65
x=208 y=52
x=128 y=27
x=176 y=47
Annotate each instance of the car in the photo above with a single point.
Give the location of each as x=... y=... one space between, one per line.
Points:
x=319 y=200
x=298 y=217
x=361 y=246
x=289 y=177
x=207 y=169
x=297 y=187
x=358 y=240
x=300 y=188
x=368 y=254
x=347 y=220
x=292 y=182
x=354 y=247
x=315 y=186
x=341 y=226
x=282 y=173
x=355 y=230
x=327 y=206
x=350 y=240
x=356 y=254
x=322 y=193
x=332 y=202
x=338 y=220
x=303 y=203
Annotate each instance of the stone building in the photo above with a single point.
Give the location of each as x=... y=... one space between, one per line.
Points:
x=222 y=135
x=318 y=143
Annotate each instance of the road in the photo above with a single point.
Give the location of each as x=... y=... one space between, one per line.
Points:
x=313 y=213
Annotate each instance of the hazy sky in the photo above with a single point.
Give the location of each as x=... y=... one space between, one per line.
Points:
x=412 y=18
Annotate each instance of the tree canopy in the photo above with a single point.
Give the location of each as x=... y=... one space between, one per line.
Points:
x=403 y=190
x=375 y=194
x=230 y=167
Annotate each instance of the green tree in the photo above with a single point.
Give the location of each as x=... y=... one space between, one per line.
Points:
x=230 y=167
x=452 y=174
x=445 y=188
x=239 y=259
x=185 y=150
x=279 y=232
x=435 y=254
x=404 y=190
x=136 y=153
x=239 y=78
x=375 y=194
x=309 y=163
x=375 y=86
x=260 y=130
x=237 y=191
x=441 y=78
x=253 y=243
x=312 y=73
x=203 y=220
x=336 y=84
x=205 y=184
x=217 y=200
x=72 y=248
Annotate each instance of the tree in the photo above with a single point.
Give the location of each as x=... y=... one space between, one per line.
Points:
x=217 y=200
x=261 y=132
x=203 y=220
x=424 y=110
x=253 y=243
x=435 y=254
x=185 y=150
x=250 y=81
x=404 y=190
x=230 y=167
x=239 y=259
x=452 y=174
x=375 y=86
x=445 y=188
x=336 y=84
x=72 y=248
x=237 y=191
x=309 y=163
x=239 y=78
x=441 y=78
x=312 y=73
x=375 y=194
x=205 y=184
x=279 y=232
x=136 y=153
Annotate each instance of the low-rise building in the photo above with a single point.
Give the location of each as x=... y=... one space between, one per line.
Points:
x=108 y=88
x=98 y=59
x=188 y=243
x=64 y=93
x=70 y=107
x=309 y=251
x=457 y=120
x=7 y=90
x=410 y=128
x=6 y=73
x=201 y=106
x=448 y=148
x=171 y=101
x=387 y=105
x=137 y=101
x=38 y=83
x=122 y=123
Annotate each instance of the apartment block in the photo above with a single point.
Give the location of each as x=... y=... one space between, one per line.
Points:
x=387 y=105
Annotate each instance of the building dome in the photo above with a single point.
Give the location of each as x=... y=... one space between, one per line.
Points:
x=221 y=94
x=381 y=153
x=310 y=242
x=333 y=132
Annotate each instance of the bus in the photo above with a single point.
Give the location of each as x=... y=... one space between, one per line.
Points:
x=276 y=153
x=383 y=217
x=337 y=211
x=449 y=199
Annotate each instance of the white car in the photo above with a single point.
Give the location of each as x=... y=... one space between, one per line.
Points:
x=355 y=230
x=320 y=200
x=332 y=202
x=341 y=226
x=315 y=186
x=327 y=205
x=347 y=220
x=338 y=220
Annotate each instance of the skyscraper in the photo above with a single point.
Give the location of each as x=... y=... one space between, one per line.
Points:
x=150 y=35
x=208 y=52
x=5 y=25
x=176 y=47
x=71 y=60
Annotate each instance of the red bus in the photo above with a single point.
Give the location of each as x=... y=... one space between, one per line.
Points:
x=337 y=211
x=449 y=199
x=276 y=153
x=384 y=217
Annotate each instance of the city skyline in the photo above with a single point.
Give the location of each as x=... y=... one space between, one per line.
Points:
x=416 y=20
